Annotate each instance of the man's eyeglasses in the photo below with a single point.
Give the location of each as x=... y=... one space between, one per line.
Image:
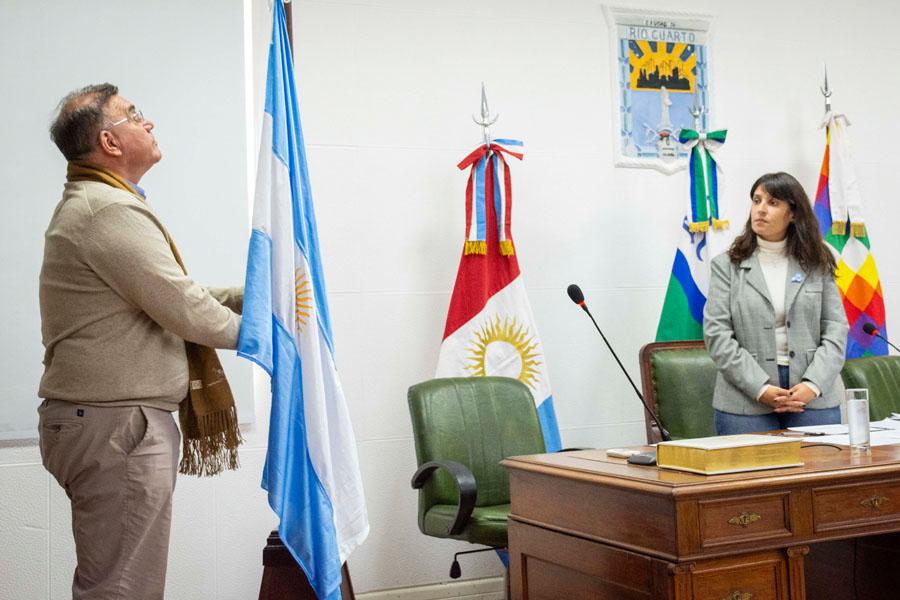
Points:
x=137 y=116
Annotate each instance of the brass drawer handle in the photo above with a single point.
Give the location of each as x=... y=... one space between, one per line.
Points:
x=739 y=596
x=875 y=502
x=743 y=520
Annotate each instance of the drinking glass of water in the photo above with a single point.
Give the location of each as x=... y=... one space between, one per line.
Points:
x=858 y=420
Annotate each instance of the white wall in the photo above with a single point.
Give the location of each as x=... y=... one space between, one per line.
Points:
x=182 y=65
x=387 y=88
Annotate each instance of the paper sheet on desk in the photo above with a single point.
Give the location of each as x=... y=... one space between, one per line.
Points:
x=882 y=433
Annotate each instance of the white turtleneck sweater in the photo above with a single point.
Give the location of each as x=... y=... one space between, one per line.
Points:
x=774 y=263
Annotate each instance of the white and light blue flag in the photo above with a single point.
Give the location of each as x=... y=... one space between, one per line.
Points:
x=312 y=470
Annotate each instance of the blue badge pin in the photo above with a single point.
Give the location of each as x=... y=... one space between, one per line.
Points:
x=797 y=278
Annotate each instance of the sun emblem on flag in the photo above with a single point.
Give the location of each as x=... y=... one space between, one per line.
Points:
x=302 y=299
x=506 y=349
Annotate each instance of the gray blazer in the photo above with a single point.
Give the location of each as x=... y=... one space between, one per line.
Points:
x=739 y=331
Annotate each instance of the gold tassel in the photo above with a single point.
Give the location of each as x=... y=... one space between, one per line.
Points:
x=506 y=248
x=702 y=226
x=476 y=247
x=858 y=229
x=838 y=227
x=720 y=224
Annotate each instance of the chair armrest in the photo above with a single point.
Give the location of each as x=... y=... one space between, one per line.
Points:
x=465 y=482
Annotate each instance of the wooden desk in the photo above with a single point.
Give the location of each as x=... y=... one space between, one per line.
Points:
x=583 y=525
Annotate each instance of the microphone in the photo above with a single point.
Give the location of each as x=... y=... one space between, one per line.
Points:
x=872 y=330
x=577 y=297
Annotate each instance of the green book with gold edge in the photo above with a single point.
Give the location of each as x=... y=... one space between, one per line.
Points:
x=729 y=454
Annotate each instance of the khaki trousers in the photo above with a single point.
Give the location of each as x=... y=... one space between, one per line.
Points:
x=118 y=467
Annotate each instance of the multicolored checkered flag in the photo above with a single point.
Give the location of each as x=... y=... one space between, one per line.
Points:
x=839 y=209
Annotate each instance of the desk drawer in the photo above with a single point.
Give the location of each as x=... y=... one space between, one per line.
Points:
x=855 y=505
x=764 y=580
x=746 y=518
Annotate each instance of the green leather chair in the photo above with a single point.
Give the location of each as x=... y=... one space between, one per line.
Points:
x=678 y=379
x=463 y=427
x=881 y=376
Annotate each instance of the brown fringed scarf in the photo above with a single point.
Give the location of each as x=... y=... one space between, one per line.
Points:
x=209 y=424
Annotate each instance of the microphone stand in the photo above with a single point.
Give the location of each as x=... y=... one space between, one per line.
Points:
x=878 y=335
x=662 y=430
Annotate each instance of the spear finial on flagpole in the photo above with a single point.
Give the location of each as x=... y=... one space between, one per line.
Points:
x=826 y=91
x=696 y=112
x=486 y=119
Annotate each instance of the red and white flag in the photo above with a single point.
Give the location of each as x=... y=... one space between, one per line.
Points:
x=490 y=327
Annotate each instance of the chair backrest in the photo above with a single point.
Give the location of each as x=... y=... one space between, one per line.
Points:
x=881 y=375
x=678 y=379
x=476 y=421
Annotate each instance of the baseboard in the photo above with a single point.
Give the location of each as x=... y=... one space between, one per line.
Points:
x=472 y=589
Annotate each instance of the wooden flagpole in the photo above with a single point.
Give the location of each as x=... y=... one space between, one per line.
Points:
x=289 y=17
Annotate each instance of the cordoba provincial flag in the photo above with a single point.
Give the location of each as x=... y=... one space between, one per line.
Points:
x=490 y=327
x=311 y=472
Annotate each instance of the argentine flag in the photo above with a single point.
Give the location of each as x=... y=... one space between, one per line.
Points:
x=312 y=470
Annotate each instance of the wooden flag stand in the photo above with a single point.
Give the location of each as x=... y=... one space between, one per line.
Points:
x=283 y=579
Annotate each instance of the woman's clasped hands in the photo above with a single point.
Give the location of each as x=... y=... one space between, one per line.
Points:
x=792 y=400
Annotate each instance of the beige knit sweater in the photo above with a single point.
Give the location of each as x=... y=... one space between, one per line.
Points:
x=116 y=307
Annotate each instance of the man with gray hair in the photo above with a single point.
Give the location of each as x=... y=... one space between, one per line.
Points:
x=128 y=339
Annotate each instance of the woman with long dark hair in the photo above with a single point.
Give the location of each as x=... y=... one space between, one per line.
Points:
x=774 y=323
